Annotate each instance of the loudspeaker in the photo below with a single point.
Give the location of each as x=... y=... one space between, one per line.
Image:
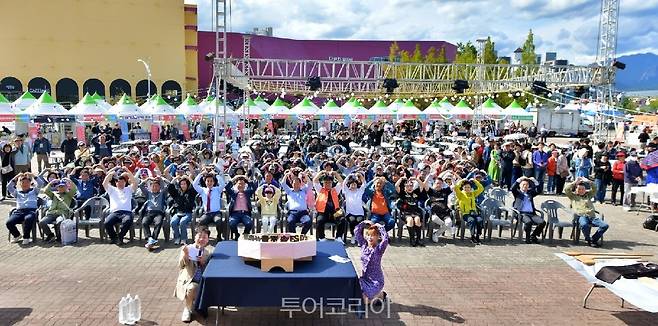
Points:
x=390 y=84
x=460 y=85
x=314 y=83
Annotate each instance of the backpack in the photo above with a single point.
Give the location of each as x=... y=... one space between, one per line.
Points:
x=651 y=223
x=68 y=231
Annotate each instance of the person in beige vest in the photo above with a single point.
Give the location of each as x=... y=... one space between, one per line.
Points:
x=191 y=262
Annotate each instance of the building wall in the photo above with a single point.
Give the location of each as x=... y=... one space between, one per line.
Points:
x=95 y=39
x=282 y=48
x=191 y=49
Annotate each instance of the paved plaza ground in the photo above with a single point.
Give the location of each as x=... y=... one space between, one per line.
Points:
x=498 y=283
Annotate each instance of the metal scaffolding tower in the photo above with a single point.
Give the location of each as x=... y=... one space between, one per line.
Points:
x=220 y=65
x=605 y=58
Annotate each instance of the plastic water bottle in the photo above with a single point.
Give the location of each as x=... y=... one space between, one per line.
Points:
x=122 y=310
x=130 y=309
x=137 y=311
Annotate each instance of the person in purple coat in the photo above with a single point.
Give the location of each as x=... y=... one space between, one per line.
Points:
x=372 y=250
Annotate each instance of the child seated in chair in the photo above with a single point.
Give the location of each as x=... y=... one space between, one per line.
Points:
x=268 y=199
x=60 y=206
x=466 y=201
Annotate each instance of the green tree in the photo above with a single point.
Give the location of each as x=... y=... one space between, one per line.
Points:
x=442 y=56
x=431 y=57
x=528 y=57
x=418 y=54
x=466 y=54
x=393 y=52
x=503 y=61
x=404 y=56
x=489 y=54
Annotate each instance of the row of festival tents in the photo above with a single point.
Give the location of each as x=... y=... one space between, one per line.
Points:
x=95 y=108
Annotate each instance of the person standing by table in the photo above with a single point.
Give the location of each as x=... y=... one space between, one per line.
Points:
x=69 y=146
x=42 y=148
x=22 y=156
x=192 y=261
x=373 y=245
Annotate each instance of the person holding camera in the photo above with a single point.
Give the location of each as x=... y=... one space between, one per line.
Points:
x=582 y=205
x=116 y=184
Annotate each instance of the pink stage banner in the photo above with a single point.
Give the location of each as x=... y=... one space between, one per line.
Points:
x=155 y=132
x=80 y=133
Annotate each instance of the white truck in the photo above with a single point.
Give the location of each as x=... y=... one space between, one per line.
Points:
x=563 y=122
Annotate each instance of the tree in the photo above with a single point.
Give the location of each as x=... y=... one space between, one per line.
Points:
x=503 y=61
x=489 y=54
x=528 y=57
x=431 y=57
x=393 y=52
x=442 y=56
x=404 y=56
x=466 y=53
x=418 y=54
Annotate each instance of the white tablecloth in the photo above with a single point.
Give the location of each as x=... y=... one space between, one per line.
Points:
x=631 y=290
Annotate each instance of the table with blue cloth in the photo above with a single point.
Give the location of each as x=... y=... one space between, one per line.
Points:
x=229 y=281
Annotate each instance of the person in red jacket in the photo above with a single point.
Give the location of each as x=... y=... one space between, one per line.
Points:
x=618 y=178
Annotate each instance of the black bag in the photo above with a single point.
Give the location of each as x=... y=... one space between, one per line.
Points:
x=651 y=223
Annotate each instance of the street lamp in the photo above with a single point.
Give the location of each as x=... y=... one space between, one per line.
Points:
x=148 y=78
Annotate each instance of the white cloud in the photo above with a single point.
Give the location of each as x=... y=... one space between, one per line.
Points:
x=569 y=27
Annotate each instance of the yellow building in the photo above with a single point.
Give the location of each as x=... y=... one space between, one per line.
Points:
x=70 y=47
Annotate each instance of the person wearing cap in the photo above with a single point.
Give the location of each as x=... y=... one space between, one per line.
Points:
x=26 y=206
x=632 y=178
x=507 y=157
x=239 y=192
x=268 y=199
x=211 y=198
x=60 y=205
x=22 y=156
x=583 y=207
x=83 y=152
x=68 y=147
x=327 y=204
x=466 y=203
x=120 y=195
x=296 y=204
x=525 y=191
x=153 y=211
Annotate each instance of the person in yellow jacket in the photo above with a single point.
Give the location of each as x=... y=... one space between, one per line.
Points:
x=468 y=208
x=268 y=199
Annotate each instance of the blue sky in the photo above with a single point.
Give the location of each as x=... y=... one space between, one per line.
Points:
x=569 y=27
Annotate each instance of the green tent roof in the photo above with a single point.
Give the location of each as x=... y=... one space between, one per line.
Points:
x=158 y=100
x=3 y=99
x=88 y=100
x=398 y=101
x=444 y=100
x=259 y=99
x=331 y=104
x=489 y=103
x=515 y=104
x=124 y=100
x=250 y=102
x=462 y=104
x=209 y=98
x=379 y=104
x=351 y=100
x=279 y=102
x=96 y=97
x=45 y=98
x=27 y=96
x=305 y=102
x=189 y=101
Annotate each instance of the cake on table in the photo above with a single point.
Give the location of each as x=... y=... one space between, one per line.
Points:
x=277 y=249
